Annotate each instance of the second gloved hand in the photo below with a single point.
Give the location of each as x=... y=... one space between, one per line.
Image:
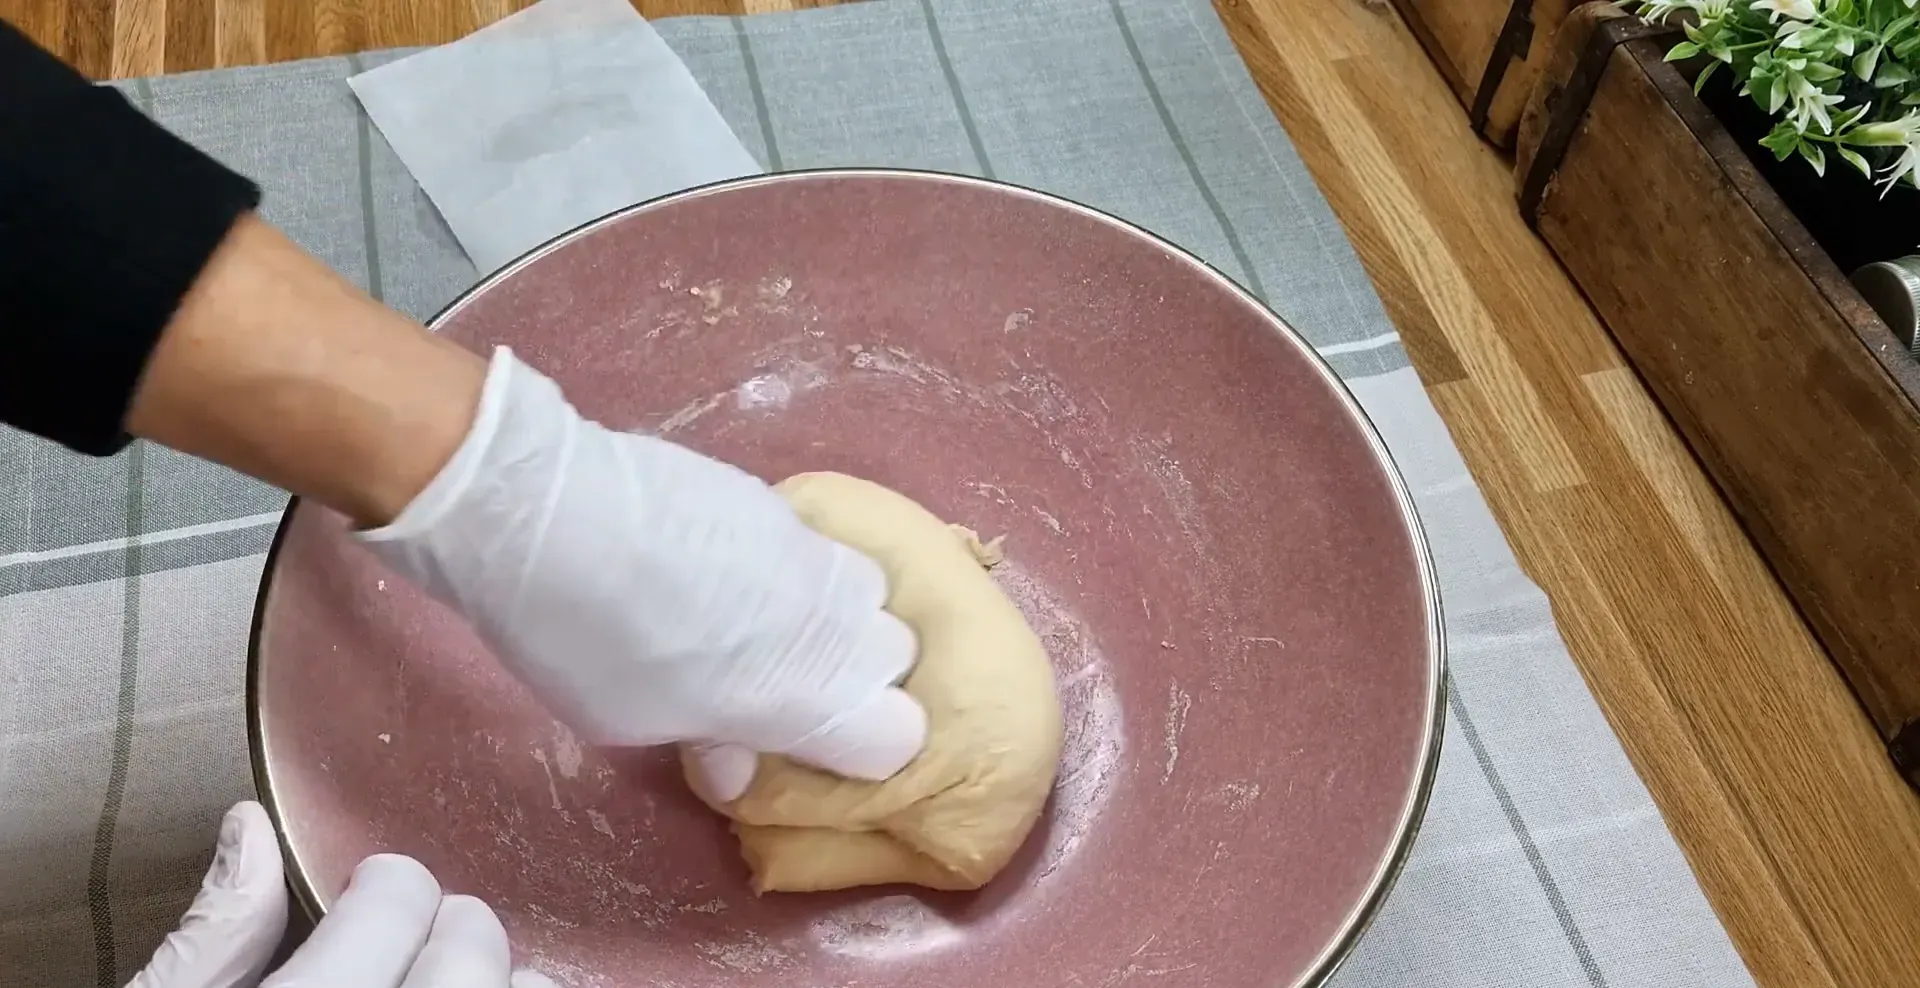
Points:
x=391 y=928
x=649 y=594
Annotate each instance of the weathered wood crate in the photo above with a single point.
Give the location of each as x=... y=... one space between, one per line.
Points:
x=1798 y=400
x=1490 y=52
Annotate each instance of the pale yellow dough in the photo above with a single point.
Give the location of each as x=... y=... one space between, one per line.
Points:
x=955 y=816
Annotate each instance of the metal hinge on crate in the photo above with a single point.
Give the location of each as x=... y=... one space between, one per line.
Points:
x=1512 y=45
x=1565 y=103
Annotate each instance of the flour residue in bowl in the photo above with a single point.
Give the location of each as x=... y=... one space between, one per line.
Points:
x=885 y=927
x=1093 y=755
x=777 y=386
x=1179 y=701
x=747 y=953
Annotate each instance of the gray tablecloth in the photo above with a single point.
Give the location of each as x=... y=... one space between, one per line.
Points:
x=126 y=584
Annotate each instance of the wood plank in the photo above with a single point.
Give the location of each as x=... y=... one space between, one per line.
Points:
x=1405 y=305
x=1491 y=52
x=139 y=39
x=1439 y=275
x=1638 y=565
x=1846 y=450
x=189 y=43
x=340 y=26
x=291 y=29
x=1806 y=436
x=1459 y=37
x=239 y=33
x=1730 y=861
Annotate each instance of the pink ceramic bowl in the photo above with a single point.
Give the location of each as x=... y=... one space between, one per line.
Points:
x=1224 y=564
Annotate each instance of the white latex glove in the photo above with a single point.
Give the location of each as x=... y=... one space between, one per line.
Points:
x=648 y=594
x=391 y=928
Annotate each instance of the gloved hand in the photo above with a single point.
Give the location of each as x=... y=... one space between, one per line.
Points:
x=391 y=928
x=648 y=594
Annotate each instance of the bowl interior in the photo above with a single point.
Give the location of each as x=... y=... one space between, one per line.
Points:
x=1198 y=524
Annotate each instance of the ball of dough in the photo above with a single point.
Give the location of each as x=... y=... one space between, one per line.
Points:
x=954 y=816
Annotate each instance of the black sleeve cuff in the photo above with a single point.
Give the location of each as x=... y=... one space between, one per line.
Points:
x=106 y=220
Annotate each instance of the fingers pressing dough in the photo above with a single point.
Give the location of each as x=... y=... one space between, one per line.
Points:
x=955 y=816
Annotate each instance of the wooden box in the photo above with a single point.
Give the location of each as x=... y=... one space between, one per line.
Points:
x=1797 y=399
x=1489 y=51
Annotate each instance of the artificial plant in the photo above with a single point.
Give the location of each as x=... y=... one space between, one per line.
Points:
x=1841 y=77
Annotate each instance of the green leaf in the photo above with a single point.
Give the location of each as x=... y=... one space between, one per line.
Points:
x=1777 y=94
x=1857 y=160
x=1700 y=81
x=1682 y=51
x=1892 y=74
x=1821 y=72
x=1911 y=99
x=1863 y=63
x=1802 y=40
x=1781 y=141
x=1815 y=157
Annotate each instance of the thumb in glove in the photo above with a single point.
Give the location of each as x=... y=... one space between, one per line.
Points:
x=236 y=922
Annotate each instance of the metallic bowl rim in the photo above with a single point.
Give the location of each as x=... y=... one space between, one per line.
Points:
x=1357 y=921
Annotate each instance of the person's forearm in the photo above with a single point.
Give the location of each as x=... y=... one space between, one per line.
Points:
x=279 y=368
x=139 y=293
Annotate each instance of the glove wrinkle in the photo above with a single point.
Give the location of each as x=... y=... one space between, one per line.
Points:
x=649 y=594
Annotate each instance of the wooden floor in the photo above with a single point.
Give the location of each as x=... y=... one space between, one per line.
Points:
x=1805 y=840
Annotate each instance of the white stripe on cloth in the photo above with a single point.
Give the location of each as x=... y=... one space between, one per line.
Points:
x=1375 y=343
x=151 y=538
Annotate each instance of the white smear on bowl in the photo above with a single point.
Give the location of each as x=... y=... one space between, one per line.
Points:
x=1178 y=703
x=567 y=754
x=750 y=954
x=1238 y=796
x=690 y=413
x=1094 y=752
x=885 y=927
